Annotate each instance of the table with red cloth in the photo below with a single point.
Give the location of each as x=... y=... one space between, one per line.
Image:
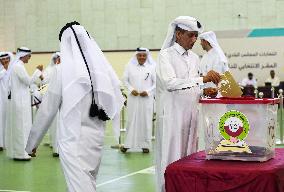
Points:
x=195 y=174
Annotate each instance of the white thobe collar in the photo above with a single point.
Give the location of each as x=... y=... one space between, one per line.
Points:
x=210 y=51
x=180 y=49
x=21 y=62
x=141 y=65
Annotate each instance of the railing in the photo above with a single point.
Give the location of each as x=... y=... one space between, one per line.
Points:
x=123 y=128
x=281 y=142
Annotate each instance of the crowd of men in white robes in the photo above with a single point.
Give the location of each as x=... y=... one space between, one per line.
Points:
x=84 y=92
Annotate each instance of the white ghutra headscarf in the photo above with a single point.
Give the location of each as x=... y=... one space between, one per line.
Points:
x=4 y=55
x=185 y=22
x=149 y=60
x=211 y=38
x=81 y=56
x=22 y=52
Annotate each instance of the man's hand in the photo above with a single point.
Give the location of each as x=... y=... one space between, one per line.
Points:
x=212 y=76
x=40 y=67
x=144 y=94
x=135 y=93
x=33 y=154
x=211 y=92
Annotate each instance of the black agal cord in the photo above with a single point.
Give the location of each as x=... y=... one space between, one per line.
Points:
x=94 y=109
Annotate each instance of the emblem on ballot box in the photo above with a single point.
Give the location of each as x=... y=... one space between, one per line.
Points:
x=234 y=128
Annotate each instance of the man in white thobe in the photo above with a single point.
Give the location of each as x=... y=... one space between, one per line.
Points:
x=20 y=113
x=214 y=58
x=38 y=88
x=274 y=80
x=140 y=80
x=178 y=93
x=86 y=91
x=54 y=61
x=249 y=81
x=5 y=59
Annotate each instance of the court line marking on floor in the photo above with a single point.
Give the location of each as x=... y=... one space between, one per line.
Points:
x=2 y=190
x=125 y=176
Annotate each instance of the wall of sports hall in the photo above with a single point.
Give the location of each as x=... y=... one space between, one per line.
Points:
x=251 y=32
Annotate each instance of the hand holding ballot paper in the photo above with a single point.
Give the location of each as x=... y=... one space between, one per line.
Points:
x=228 y=87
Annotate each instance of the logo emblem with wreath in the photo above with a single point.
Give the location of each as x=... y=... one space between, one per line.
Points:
x=234 y=128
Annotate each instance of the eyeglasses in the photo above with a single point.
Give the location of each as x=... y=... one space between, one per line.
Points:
x=192 y=34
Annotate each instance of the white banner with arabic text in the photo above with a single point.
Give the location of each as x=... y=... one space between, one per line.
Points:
x=256 y=55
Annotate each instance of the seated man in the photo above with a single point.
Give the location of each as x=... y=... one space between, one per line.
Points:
x=274 y=80
x=249 y=81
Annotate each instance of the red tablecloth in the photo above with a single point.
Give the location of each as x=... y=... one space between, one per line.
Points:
x=195 y=174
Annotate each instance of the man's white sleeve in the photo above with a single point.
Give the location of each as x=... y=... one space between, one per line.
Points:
x=2 y=72
x=46 y=113
x=126 y=80
x=24 y=76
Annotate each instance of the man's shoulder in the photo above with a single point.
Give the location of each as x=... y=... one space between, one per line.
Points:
x=18 y=65
x=2 y=68
x=151 y=67
x=167 y=51
x=58 y=69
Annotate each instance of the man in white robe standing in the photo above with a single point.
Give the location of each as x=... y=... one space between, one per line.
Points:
x=214 y=58
x=5 y=59
x=20 y=113
x=54 y=61
x=140 y=80
x=178 y=93
x=85 y=89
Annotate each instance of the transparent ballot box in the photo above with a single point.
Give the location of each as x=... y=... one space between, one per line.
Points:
x=239 y=128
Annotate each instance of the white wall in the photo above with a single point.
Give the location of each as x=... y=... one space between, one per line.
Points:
x=125 y=24
x=242 y=53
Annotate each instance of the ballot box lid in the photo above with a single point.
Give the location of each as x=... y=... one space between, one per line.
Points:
x=239 y=100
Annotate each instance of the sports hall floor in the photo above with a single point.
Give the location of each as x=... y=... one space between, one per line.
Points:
x=130 y=172
x=119 y=172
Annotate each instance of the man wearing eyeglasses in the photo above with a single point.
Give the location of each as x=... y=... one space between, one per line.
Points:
x=178 y=92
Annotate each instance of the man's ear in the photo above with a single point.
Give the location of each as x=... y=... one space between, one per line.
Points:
x=178 y=33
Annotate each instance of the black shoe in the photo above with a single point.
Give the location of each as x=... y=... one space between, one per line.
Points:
x=55 y=155
x=145 y=150
x=123 y=150
x=21 y=159
x=1 y=148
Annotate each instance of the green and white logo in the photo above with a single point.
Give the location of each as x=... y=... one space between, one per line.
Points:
x=234 y=124
x=234 y=128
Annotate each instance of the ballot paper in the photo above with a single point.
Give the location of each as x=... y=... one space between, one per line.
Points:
x=228 y=87
x=43 y=89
